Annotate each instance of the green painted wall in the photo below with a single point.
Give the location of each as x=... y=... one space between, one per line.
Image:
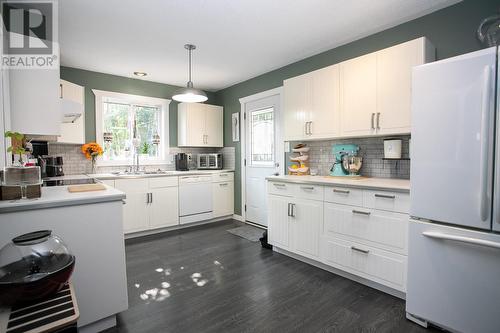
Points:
x=451 y=30
x=100 y=81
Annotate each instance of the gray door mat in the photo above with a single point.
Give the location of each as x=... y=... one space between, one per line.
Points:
x=248 y=232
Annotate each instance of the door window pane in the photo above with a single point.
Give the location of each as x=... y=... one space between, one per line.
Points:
x=262 y=137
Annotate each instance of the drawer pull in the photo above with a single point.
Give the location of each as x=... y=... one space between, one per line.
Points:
x=223 y=184
x=341 y=191
x=354 y=248
x=309 y=188
x=223 y=175
x=293 y=210
x=279 y=185
x=354 y=211
x=386 y=196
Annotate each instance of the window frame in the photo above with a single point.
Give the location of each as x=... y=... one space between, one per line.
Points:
x=162 y=103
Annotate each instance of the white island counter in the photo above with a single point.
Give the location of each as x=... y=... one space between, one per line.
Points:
x=90 y=223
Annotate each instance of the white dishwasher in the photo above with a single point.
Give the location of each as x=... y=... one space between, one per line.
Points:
x=195 y=198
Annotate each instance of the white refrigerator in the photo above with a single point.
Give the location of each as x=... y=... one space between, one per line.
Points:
x=454 y=234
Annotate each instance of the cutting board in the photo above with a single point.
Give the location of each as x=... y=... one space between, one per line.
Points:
x=86 y=188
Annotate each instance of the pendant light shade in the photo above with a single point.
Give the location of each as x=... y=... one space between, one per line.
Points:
x=190 y=94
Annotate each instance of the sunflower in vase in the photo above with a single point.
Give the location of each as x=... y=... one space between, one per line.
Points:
x=91 y=151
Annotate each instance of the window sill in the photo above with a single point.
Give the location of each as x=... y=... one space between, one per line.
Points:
x=127 y=163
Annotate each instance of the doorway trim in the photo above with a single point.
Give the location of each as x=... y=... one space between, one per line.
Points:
x=243 y=102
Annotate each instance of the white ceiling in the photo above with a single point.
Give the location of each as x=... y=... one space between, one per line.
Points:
x=236 y=39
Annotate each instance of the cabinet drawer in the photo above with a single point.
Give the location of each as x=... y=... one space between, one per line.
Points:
x=384 y=267
x=163 y=182
x=223 y=177
x=281 y=188
x=391 y=201
x=311 y=192
x=344 y=195
x=386 y=230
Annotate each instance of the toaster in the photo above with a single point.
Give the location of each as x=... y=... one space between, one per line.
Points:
x=209 y=161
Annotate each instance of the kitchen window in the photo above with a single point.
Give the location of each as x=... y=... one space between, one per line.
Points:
x=124 y=122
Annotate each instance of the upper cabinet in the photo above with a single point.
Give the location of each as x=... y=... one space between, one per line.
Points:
x=72 y=104
x=311 y=104
x=365 y=96
x=200 y=125
x=359 y=95
x=34 y=101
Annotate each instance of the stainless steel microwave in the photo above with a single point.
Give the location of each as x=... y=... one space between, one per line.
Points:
x=209 y=161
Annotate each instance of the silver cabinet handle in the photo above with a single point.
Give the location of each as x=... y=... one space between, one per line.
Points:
x=223 y=174
x=310 y=188
x=279 y=185
x=386 y=196
x=354 y=248
x=292 y=210
x=310 y=128
x=378 y=120
x=305 y=128
x=147 y=198
x=341 y=191
x=151 y=197
x=223 y=184
x=354 y=211
x=124 y=202
x=484 y=177
x=289 y=206
x=373 y=121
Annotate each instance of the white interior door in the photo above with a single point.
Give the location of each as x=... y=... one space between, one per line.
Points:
x=263 y=151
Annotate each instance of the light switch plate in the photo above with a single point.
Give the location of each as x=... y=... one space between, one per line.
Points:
x=287 y=146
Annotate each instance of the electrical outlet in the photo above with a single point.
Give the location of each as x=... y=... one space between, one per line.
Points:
x=190 y=157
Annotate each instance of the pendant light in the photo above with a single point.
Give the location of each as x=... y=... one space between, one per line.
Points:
x=190 y=94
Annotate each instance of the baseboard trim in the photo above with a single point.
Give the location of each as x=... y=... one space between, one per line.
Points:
x=255 y=225
x=347 y=275
x=238 y=218
x=174 y=227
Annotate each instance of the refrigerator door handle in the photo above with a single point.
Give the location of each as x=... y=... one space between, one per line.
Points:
x=462 y=239
x=485 y=139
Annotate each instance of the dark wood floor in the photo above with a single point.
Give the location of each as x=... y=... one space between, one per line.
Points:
x=204 y=279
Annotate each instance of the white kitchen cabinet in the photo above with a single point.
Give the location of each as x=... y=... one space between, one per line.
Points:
x=297 y=95
x=135 y=209
x=278 y=210
x=223 y=198
x=35 y=106
x=200 y=125
x=164 y=207
x=394 y=69
x=72 y=103
x=150 y=203
x=358 y=91
x=305 y=227
x=311 y=105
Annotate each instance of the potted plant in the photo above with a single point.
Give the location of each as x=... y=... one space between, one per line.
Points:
x=16 y=148
x=145 y=149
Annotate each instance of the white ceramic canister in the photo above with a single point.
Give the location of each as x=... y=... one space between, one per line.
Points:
x=392 y=148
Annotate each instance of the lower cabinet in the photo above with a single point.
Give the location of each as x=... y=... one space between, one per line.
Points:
x=362 y=232
x=295 y=224
x=150 y=203
x=223 y=198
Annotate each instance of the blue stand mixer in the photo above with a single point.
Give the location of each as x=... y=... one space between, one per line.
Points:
x=341 y=153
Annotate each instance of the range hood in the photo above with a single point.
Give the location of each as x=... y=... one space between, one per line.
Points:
x=71 y=110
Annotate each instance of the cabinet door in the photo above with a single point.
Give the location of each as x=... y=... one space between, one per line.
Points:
x=394 y=69
x=278 y=221
x=305 y=227
x=191 y=125
x=135 y=210
x=223 y=198
x=164 y=207
x=297 y=106
x=358 y=95
x=214 y=126
x=325 y=113
x=73 y=132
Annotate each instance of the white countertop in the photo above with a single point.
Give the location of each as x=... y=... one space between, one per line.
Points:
x=167 y=174
x=58 y=196
x=402 y=185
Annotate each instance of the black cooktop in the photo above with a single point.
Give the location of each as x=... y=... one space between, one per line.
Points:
x=65 y=182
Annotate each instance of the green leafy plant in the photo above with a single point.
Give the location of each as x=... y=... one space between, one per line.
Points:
x=16 y=147
x=145 y=148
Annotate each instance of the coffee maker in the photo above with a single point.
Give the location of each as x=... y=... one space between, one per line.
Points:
x=54 y=166
x=181 y=162
x=347 y=162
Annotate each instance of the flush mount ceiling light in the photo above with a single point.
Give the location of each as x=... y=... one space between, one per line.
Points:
x=140 y=74
x=190 y=94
